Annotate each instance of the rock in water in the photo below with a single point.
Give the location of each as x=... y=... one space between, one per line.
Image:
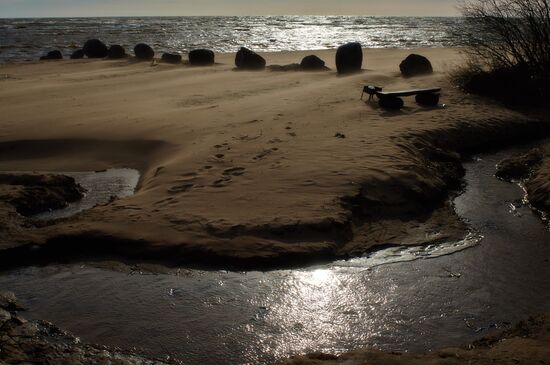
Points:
x=171 y=58
x=78 y=54
x=201 y=57
x=116 y=51
x=415 y=65
x=312 y=63
x=52 y=55
x=94 y=48
x=349 y=58
x=249 y=60
x=144 y=52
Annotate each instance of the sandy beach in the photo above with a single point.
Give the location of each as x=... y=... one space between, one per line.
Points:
x=253 y=169
x=239 y=167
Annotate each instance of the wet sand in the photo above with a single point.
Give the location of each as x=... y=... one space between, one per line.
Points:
x=246 y=167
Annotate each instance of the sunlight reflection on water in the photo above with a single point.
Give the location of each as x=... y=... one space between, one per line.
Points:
x=29 y=38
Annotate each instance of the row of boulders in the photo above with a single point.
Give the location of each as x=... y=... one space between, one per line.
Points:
x=94 y=48
x=349 y=58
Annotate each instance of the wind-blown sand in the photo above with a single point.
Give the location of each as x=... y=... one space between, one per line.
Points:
x=245 y=167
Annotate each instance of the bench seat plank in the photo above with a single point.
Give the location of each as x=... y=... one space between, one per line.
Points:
x=408 y=92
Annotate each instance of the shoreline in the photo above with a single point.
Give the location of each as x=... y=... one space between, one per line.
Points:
x=528 y=341
x=221 y=186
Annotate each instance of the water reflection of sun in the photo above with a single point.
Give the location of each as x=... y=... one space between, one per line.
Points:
x=318 y=310
x=319 y=277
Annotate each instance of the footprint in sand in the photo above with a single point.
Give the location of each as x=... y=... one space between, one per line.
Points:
x=234 y=171
x=185 y=184
x=181 y=188
x=220 y=183
x=158 y=171
x=189 y=174
x=278 y=116
x=164 y=201
x=265 y=153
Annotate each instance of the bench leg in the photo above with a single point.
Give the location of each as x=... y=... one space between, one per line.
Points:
x=428 y=99
x=391 y=103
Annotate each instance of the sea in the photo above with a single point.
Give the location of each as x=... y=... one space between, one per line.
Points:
x=28 y=39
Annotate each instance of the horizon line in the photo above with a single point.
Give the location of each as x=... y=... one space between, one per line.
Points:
x=227 y=15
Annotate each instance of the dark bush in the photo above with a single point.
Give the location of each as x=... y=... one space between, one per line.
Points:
x=509 y=50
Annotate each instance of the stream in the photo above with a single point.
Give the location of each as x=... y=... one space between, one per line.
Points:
x=394 y=299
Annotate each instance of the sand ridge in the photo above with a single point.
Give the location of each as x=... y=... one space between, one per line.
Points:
x=249 y=165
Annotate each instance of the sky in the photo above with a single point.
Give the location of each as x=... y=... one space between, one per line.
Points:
x=63 y=8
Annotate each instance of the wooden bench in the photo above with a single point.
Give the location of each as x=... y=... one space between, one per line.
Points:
x=392 y=100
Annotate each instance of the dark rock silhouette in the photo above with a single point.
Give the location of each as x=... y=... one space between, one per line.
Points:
x=94 y=48
x=289 y=67
x=349 y=58
x=144 y=52
x=116 y=51
x=201 y=57
x=312 y=63
x=52 y=55
x=78 y=54
x=171 y=58
x=415 y=65
x=249 y=60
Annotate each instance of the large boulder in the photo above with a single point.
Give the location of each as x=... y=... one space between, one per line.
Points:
x=312 y=63
x=78 y=54
x=249 y=60
x=116 y=51
x=349 y=58
x=52 y=55
x=414 y=65
x=201 y=57
x=94 y=48
x=171 y=58
x=144 y=52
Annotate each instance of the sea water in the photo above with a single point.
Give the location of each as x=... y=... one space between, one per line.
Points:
x=28 y=39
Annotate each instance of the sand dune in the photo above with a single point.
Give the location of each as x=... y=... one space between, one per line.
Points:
x=247 y=165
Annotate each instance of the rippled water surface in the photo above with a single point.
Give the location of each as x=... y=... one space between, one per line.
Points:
x=394 y=299
x=31 y=38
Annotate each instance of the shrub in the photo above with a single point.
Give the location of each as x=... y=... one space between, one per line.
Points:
x=509 y=49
